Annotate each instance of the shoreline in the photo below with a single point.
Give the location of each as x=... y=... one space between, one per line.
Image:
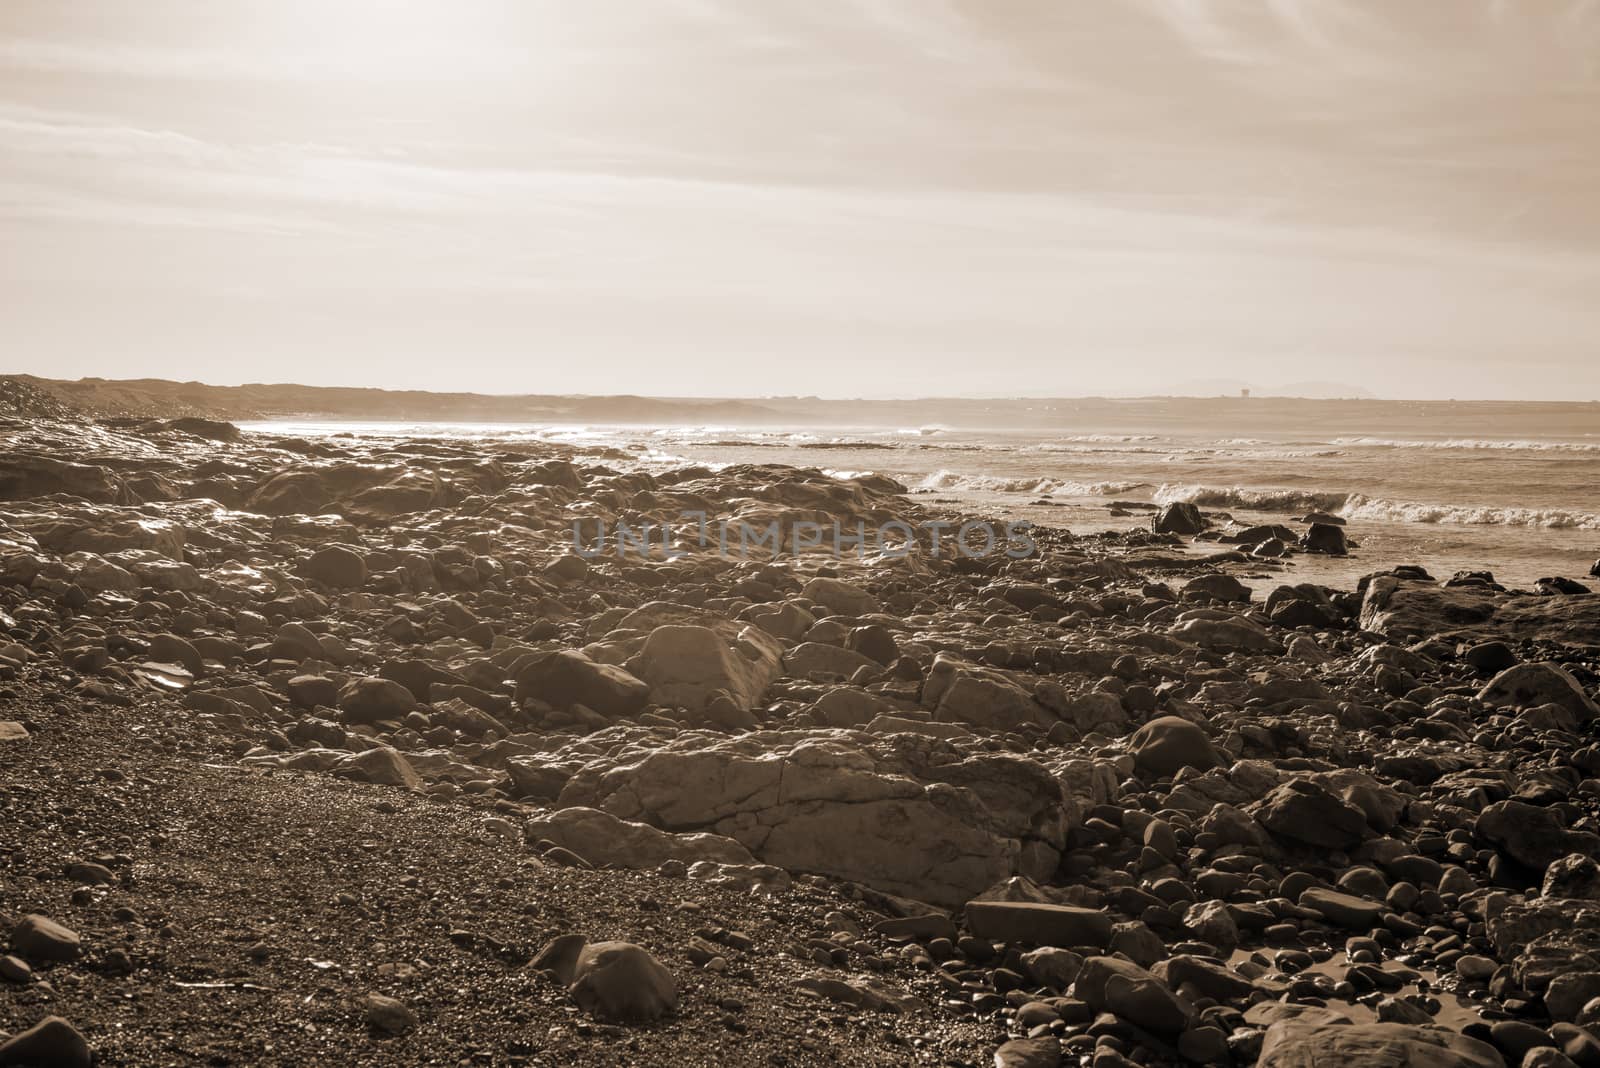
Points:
x=950 y=804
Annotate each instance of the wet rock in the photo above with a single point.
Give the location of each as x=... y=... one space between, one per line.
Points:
x=1179 y=517
x=1325 y=538
x=1216 y=588
x=1515 y=1038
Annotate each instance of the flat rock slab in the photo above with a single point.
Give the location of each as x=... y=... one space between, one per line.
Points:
x=1293 y=1044
x=1345 y=910
x=1039 y=924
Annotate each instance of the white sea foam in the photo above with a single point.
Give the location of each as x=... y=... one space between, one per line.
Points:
x=1482 y=444
x=1375 y=509
x=1256 y=500
x=1036 y=485
x=1378 y=508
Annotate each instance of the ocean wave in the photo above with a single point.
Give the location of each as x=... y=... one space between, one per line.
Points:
x=1090 y=439
x=1037 y=485
x=1358 y=506
x=1378 y=508
x=1255 y=500
x=1490 y=444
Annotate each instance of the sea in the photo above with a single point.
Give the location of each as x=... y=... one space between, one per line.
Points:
x=1509 y=488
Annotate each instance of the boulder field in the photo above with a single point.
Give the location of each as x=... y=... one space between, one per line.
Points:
x=1104 y=804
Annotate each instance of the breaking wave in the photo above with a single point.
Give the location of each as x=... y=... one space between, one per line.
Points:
x=1360 y=507
x=1255 y=500
x=1379 y=509
x=1497 y=445
x=1037 y=485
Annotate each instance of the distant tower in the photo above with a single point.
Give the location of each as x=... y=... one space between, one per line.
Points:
x=1244 y=394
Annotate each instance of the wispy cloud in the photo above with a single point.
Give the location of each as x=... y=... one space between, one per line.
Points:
x=1243 y=177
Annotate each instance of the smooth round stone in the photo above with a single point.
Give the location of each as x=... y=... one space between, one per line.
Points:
x=1515 y=1038
x=1475 y=968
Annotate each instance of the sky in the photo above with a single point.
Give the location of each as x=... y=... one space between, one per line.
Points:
x=839 y=197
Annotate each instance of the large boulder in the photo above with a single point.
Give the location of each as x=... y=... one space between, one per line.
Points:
x=291 y=493
x=840 y=596
x=820 y=660
x=1574 y=876
x=1306 y=814
x=1408 y=608
x=684 y=665
x=381 y=765
x=1228 y=635
x=1325 y=538
x=336 y=565
x=24 y=477
x=40 y=940
x=621 y=981
x=939 y=830
x=372 y=699
x=958 y=691
x=1168 y=744
x=1038 y=923
x=50 y=1043
x=604 y=840
x=1112 y=984
x=1532 y=685
x=567 y=677
x=1310 y=1043
x=1531 y=835
x=1546 y=938
x=1179 y=517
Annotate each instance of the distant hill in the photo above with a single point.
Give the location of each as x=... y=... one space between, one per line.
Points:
x=160 y=398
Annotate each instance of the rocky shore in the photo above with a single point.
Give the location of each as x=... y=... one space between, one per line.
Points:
x=338 y=751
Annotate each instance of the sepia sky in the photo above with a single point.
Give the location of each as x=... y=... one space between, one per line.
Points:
x=838 y=197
